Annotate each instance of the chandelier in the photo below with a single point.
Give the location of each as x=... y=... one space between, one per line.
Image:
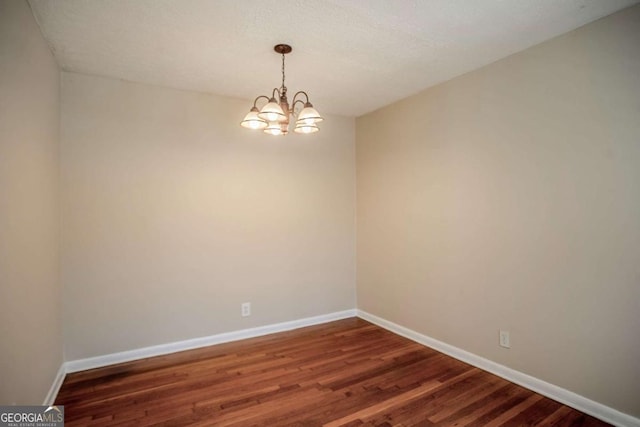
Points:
x=274 y=117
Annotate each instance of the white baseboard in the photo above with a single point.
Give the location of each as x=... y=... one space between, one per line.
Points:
x=55 y=387
x=162 y=349
x=569 y=398
x=554 y=392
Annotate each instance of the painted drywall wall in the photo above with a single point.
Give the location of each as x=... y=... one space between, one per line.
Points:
x=173 y=215
x=30 y=309
x=508 y=198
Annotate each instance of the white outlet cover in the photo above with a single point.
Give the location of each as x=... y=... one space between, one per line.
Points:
x=245 y=309
x=504 y=339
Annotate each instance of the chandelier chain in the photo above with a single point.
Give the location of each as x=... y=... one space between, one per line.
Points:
x=283 y=86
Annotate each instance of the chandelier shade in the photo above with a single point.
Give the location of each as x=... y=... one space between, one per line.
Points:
x=275 y=128
x=272 y=112
x=253 y=121
x=309 y=115
x=304 y=128
x=274 y=117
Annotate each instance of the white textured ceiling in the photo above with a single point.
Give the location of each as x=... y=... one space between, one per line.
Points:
x=352 y=56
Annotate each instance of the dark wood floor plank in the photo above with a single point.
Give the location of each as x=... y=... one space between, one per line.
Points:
x=345 y=373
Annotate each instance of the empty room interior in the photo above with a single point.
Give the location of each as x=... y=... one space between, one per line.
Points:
x=331 y=212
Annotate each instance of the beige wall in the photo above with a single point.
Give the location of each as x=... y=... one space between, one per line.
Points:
x=504 y=199
x=30 y=314
x=509 y=198
x=173 y=215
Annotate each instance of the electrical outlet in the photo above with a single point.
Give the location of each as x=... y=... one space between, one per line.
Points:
x=504 y=339
x=245 y=309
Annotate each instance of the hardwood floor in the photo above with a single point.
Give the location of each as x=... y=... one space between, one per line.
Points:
x=344 y=373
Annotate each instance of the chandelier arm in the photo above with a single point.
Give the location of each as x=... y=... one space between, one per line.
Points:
x=301 y=92
x=276 y=91
x=293 y=105
x=255 y=102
